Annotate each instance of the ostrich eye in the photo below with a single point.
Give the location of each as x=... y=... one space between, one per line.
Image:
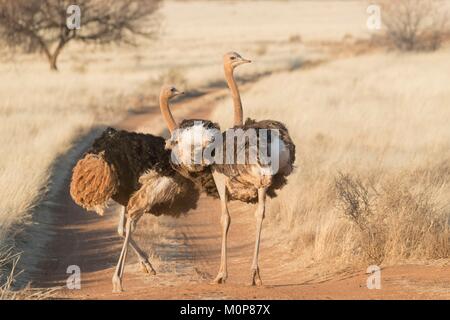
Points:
x=233 y=58
x=173 y=89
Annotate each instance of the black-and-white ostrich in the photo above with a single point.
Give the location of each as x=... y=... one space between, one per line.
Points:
x=250 y=182
x=135 y=170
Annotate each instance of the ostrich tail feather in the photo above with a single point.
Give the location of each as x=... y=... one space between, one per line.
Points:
x=93 y=182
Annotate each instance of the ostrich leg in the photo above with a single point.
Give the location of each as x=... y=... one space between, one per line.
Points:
x=146 y=266
x=256 y=279
x=117 y=277
x=219 y=179
x=121 y=226
x=143 y=259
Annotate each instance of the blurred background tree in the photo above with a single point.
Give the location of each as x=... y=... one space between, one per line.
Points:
x=415 y=25
x=40 y=25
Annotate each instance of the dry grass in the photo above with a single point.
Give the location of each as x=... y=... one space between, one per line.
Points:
x=372 y=182
x=400 y=217
x=8 y=263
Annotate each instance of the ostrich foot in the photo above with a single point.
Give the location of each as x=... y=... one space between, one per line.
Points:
x=117 y=285
x=146 y=267
x=221 y=278
x=256 y=278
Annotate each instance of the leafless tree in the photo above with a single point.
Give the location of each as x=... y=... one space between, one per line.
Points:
x=41 y=25
x=415 y=24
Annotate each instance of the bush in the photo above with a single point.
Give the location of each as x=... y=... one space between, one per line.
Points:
x=399 y=216
x=357 y=200
x=414 y=25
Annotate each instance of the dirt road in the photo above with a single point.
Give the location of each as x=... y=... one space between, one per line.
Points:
x=186 y=251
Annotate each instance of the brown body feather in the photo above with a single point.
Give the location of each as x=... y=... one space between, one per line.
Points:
x=134 y=170
x=93 y=183
x=243 y=181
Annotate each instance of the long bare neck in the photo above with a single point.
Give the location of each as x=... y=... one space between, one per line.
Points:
x=238 y=112
x=167 y=115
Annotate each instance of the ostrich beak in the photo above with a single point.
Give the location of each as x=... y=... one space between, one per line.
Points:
x=177 y=93
x=242 y=61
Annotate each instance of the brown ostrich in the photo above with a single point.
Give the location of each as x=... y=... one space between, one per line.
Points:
x=250 y=182
x=134 y=170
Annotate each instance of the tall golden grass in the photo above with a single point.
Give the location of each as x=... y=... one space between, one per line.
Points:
x=8 y=263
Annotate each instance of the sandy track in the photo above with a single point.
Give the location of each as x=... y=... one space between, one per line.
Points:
x=186 y=251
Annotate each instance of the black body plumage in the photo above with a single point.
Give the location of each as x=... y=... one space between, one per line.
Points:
x=132 y=154
x=186 y=123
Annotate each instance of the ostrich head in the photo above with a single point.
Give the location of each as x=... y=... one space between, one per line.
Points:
x=169 y=91
x=233 y=59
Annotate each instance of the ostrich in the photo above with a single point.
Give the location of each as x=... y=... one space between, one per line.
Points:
x=134 y=170
x=249 y=182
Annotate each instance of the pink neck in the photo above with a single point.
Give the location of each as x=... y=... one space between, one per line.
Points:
x=167 y=115
x=237 y=104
